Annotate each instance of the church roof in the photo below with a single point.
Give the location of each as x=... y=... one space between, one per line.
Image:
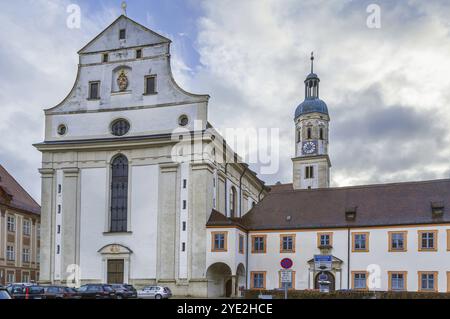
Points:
x=375 y=205
x=311 y=105
x=14 y=195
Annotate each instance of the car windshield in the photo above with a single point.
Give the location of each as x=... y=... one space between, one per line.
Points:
x=108 y=288
x=4 y=295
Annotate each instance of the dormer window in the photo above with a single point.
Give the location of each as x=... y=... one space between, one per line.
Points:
x=437 y=208
x=105 y=57
x=122 y=34
x=94 y=90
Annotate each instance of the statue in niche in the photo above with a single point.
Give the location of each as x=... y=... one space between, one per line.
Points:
x=122 y=81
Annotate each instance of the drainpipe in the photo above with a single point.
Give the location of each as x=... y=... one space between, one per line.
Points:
x=240 y=191
x=226 y=189
x=247 y=268
x=348 y=258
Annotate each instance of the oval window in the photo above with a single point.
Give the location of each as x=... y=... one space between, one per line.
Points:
x=183 y=120
x=120 y=127
x=62 y=130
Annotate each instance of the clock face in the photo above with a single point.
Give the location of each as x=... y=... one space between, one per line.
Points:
x=309 y=148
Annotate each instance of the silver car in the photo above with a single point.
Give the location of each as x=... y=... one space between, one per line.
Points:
x=155 y=292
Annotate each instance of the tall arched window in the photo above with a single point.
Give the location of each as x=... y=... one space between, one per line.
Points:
x=119 y=194
x=321 y=133
x=233 y=202
x=309 y=133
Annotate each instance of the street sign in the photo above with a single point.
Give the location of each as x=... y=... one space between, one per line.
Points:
x=323 y=262
x=286 y=263
x=286 y=276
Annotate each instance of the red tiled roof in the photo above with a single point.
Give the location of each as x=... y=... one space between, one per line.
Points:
x=19 y=198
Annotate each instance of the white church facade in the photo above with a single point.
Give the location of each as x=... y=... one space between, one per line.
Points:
x=138 y=187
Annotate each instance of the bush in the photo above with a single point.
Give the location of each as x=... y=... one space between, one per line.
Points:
x=349 y=294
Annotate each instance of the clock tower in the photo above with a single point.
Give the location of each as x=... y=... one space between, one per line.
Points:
x=311 y=164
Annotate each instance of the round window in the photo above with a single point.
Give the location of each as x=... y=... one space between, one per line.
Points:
x=183 y=120
x=120 y=127
x=62 y=130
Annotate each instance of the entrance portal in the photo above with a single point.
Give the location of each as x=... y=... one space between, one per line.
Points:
x=324 y=279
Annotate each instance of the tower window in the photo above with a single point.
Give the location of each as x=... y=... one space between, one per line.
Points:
x=299 y=136
x=150 y=84
x=105 y=57
x=309 y=133
x=309 y=172
x=321 y=133
x=233 y=202
x=138 y=53
x=94 y=90
x=122 y=34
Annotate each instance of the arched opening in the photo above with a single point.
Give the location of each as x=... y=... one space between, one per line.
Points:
x=219 y=280
x=309 y=133
x=240 y=280
x=325 y=279
x=119 y=194
x=233 y=202
x=321 y=135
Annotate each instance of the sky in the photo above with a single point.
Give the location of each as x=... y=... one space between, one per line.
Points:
x=387 y=86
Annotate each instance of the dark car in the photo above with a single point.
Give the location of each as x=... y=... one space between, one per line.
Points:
x=72 y=293
x=4 y=294
x=28 y=292
x=96 y=291
x=58 y=292
x=124 y=291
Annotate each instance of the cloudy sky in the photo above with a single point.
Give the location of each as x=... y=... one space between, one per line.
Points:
x=387 y=89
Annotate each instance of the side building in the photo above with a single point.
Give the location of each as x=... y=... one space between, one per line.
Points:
x=19 y=232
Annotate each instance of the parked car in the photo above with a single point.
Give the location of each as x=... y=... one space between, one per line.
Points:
x=155 y=292
x=4 y=294
x=124 y=291
x=96 y=291
x=72 y=293
x=59 y=292
x=28 y=292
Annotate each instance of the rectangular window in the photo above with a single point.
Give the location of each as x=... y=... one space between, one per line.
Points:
x=219 y=241
x=25 y=277
x=324 y=240
x=184 y=226
x=59 y=229
x=428 y=280
x=150 y=84
x=105 y=57
x=258 y=280
x=184 y=204
x=360 y=242
x=138 y=53
x=10 y=254
x=241 y=244
x=38 y=231
x=184 y=183
x=309 y=172
x=428 y=240
x=94 y=90
x=259 y=244
x=397 y=281
x=11 y=224
x=26 y=227
x=59 y=188
x=183 y=247
x=59 y=209
x=58 y=249
x=26 y=255
x=397 y=240
x=10 y=277
x=359 y=280
x=122 y=34
x=287 y=243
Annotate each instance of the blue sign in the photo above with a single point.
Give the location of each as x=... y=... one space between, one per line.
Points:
x=287 y=263
x=323 y=258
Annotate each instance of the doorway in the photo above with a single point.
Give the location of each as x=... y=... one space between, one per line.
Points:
x=116 y=271
x=325 y=278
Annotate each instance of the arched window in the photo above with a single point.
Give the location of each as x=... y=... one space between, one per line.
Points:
x=119 y=194
x=321 y=133
x=233 y=202
x=309 y=133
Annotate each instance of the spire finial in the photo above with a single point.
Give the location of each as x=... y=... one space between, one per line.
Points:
x=312 y=62
x=124 y=7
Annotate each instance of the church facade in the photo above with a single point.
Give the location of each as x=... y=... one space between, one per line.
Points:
x=139 y=188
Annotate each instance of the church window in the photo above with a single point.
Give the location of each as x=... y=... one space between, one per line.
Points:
x=150 y=84
x=321 y=133
x=184 y=226
x=233 y=202
x=138 y=53
x=309 y=172
x=62 y=130
x=309 y=133
x=183 y=247
x=184 y=183
x=119 y=194
x=299 y=136
x=94 y=90
x=183 y=120
x=120 y=127
x=184 y=204
x=105 y=57
x=122 y=34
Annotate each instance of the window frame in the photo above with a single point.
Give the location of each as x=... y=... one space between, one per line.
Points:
x=287 y=251
x=359 y=272
x=241 y=245
x=155 y=86
x=11 y=220
x=127 y=195
x=435 y=281
x=405 y=241
x=253 y=244
x=280 y=284
x=141 y=54
x=319 y=241
x=366 y=249
x=405 y=280
x=435 y=240
x=105 y=57
x=10 y=252
x=213 y=241
x=252 y=280
x=233 y=202
x=90 y=98
x=124 y=33
x=27 y=228
x=28 y=250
